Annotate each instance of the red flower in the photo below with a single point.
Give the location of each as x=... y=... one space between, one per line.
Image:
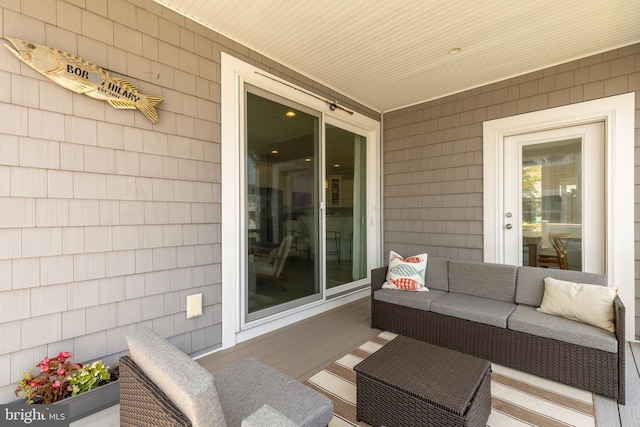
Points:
x=49 y=385
x=64 y=355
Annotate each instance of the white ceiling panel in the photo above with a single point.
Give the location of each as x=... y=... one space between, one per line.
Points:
x=389 y=54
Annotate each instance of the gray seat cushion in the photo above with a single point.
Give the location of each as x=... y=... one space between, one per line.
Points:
x=267 y=417
x=530 y=282
x=189 y=386
x=248 y=385
x=419 y=300
x=477 y=309
x=527 y=319
x=495 y=281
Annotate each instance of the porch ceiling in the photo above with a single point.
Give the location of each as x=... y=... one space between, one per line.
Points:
x=389 y=54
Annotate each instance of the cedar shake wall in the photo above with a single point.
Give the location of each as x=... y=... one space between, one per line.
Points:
x=108 y=222
x=433 y=199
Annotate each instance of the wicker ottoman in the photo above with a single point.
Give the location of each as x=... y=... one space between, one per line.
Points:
x=414 y=383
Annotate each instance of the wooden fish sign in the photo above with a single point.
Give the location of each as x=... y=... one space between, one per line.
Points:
x=80 y=76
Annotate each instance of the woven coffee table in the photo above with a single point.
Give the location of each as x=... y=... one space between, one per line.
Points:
x=413 y=383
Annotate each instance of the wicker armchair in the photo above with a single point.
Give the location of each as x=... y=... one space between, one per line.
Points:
x=162 y=386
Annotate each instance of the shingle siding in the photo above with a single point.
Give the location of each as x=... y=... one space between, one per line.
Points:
x=108 y=222
x=442 y=141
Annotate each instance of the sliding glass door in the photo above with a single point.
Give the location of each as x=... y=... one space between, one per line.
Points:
x=301 y=226
x=346 y=183
x=282 y=204
x=305 y=205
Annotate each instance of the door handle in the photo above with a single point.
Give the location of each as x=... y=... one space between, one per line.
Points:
x=508 y=226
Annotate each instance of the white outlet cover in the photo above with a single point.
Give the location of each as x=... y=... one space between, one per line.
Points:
x=194 y=305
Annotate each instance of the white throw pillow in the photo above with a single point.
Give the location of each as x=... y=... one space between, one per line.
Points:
x=406 y=274
x=591 y=304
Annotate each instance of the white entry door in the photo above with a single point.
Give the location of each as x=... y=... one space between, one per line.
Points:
x=554 y=195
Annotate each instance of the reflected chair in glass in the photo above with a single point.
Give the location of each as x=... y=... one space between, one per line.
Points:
x=558 y=257
x=301 y=239
x=301 y=242
x=334 y=236
x=269 y=266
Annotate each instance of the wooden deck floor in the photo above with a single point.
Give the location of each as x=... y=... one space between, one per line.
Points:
x=609 y=413
x=302 y=349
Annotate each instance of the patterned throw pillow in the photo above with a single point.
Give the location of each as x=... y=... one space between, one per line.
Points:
x=406 y=274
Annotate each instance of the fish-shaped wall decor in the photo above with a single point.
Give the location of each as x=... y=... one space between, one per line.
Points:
x=81 y=76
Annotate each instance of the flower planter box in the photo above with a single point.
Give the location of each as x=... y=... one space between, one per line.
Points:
x=59 y=377
x=87 y=403
x=92 y=401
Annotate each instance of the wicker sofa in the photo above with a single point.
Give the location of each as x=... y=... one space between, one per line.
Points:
x=162 y=386
x=489 y=311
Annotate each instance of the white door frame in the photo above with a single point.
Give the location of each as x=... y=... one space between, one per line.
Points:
x=618 y=114
x=234 y=73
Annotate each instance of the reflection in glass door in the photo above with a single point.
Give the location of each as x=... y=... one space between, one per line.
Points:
x=552 y=204
x=345 y=235
x=282 y=215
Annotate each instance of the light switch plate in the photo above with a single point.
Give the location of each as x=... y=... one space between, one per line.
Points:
x=194 y=305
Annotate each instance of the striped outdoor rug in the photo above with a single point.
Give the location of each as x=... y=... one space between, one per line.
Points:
x=517 y=398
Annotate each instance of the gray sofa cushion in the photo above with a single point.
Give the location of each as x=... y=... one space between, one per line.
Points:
x=267 y=417
x=530 y=282
x=437 y=274
x=477 y=309
x=248 y=385
x=495 y=281
x=419 y=300
x=189 y=386
x=527 y=319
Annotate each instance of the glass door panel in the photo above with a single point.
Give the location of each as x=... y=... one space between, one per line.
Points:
x=282 y=215
x=345 y=186
x=552 y=204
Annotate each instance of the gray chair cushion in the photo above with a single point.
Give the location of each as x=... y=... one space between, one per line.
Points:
x=267 y=417
x=419 y=300
x=248 y=385
x=495 y=281
x=530 y=282
x=437 y=274
x=477 y=309
x=527 y=319
x=189 y=386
